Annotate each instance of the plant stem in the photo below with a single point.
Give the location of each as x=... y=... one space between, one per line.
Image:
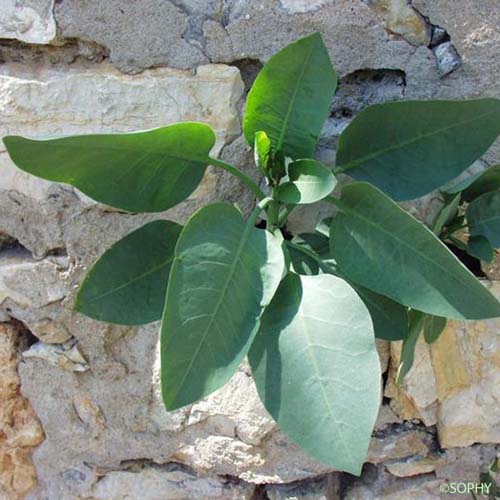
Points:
x=249 y=183
x=273 y=213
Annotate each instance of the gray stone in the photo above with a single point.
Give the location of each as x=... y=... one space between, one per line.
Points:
x=138 y=35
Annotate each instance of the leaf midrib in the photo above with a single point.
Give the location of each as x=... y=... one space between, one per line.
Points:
x=133 y=280
x=234 y=263
x=291 y=104
x=412 y=249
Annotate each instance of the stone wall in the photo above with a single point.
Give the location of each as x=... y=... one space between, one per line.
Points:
x=80 y=409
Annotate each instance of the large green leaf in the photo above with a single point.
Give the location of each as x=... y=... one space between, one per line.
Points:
x=410 y=148
x=141 y=172
x=381 y=247
x=224 y=273
x=483 y=217
x=291 y=97
x=484 y=183
x=127 y=285
x=317 y=370
x=446 y=215
x=309 y=181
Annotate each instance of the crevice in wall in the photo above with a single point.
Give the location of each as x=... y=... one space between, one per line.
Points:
x=249 y=69
x=71 y=51
x=404 y=20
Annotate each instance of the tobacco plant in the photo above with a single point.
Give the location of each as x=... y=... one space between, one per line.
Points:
x=305 y=309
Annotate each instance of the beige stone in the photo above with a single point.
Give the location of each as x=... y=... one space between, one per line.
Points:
x=397 y=446
x=20 y=430
x=29 y=21
x=414 y=467
x=403 y=20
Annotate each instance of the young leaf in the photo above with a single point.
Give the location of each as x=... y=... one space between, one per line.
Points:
x=480 y=248
x=262 y=152
x=483 y=217
x=381 y=247
x=433 y=327
x=409 y=148
x=141 y=171
x=127 y=285
x=310 y=181
x=486 y=182
x=317 y=370
x=447 y=213
x=224 y=273
x=415 y=322
x=291 y=97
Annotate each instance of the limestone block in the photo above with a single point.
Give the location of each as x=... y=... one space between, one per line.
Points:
x=20 y=430
x=30 y=21
x=455 y=383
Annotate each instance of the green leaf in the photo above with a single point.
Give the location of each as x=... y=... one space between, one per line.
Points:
x=224 y=273
x=484 y=183
x=433 y=327
x=127 y=285
x=262 y=152
x=309 y=181
x=291 y=97
x=409 y=148
x=446 y=215
x=381 y=247
x=390 y=319
x=141 y=171
x=483 y=217
x=480 y=248
x=317 y=370
x=415 y=322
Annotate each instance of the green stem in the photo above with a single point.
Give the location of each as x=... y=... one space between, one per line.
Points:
x=249 y=183
x=258 y=209
x=286 y=212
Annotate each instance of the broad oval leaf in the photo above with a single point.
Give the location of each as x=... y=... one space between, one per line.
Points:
x=309 y=182
x=317 y=370
x=381 y=247
x=224 y=273
x=127 y=285
x=146 y=171
x=291 y=97
x=409 y=148
x=483 y=217
x=486 y=182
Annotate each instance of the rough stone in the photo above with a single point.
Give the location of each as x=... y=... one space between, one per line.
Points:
x=30 y=21
x=100 y=99
x=156 y=484
x=403 y=20
x=454 y=383
x=138 y=35
x=20 y=430
x=321 y=488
